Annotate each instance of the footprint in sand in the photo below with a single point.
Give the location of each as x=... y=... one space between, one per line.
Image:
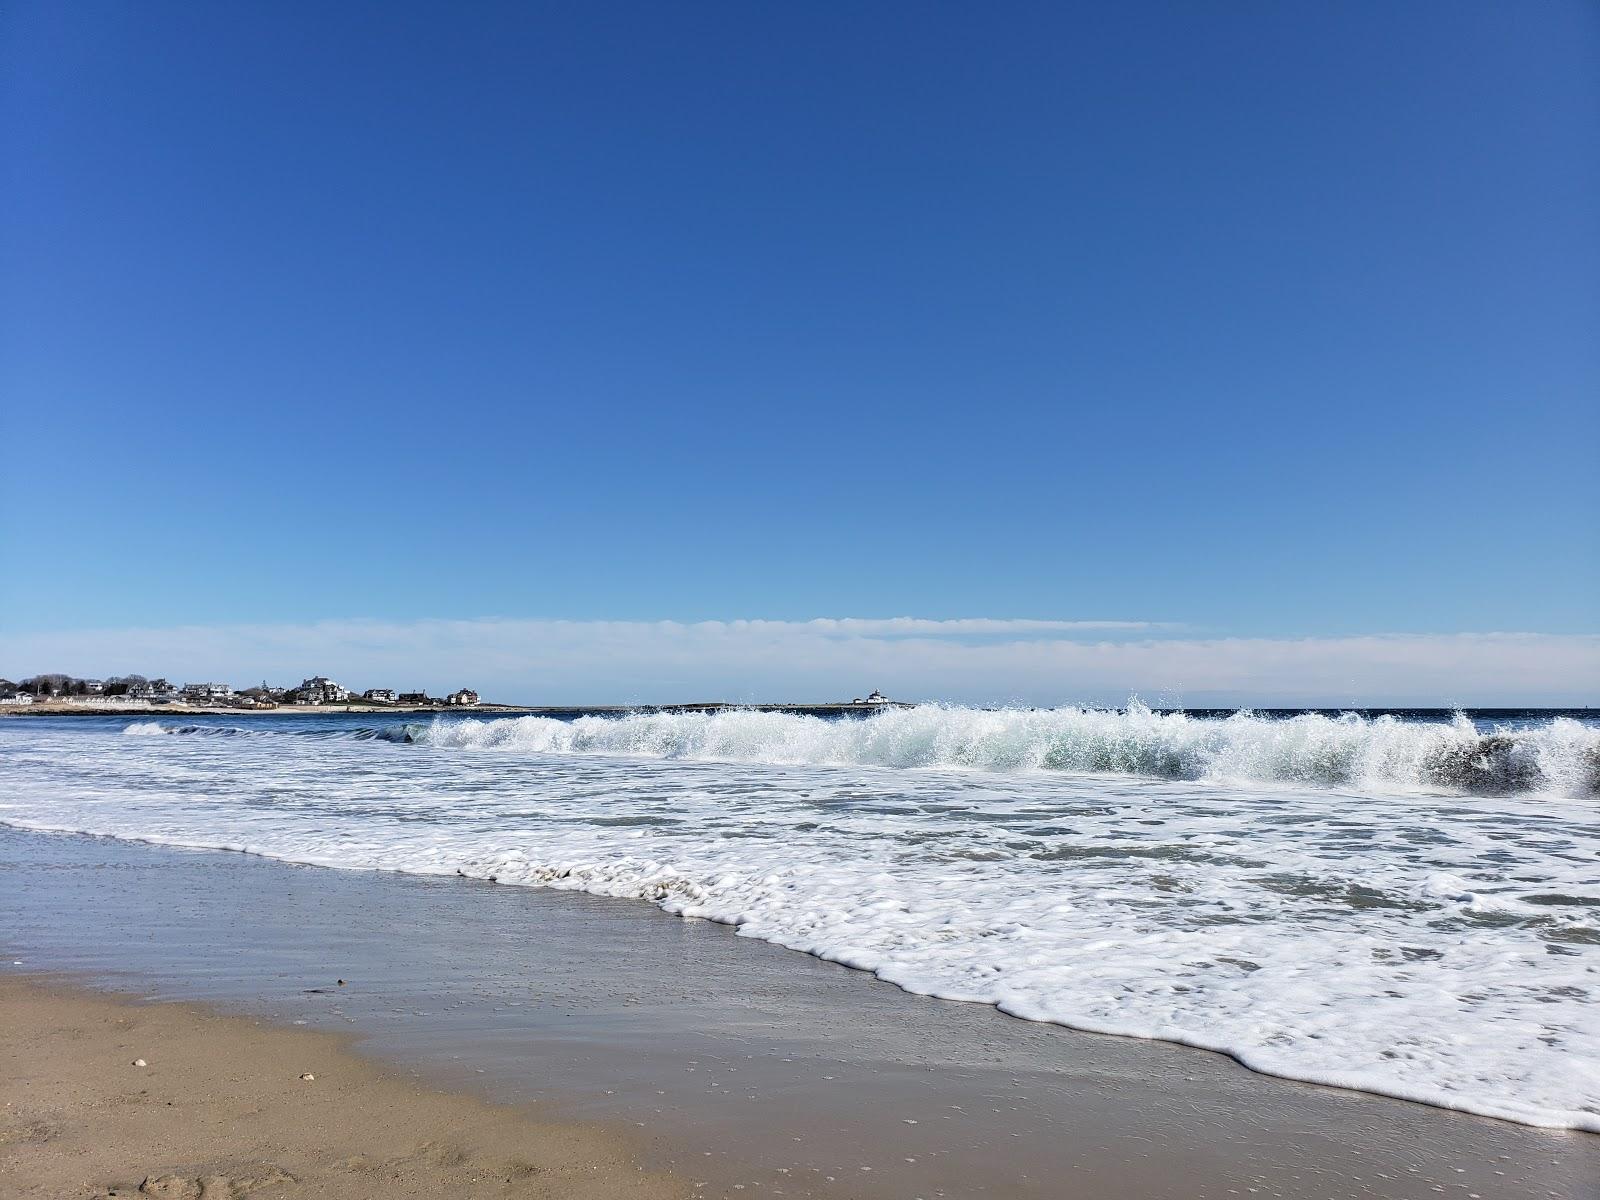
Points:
x=235 y=1185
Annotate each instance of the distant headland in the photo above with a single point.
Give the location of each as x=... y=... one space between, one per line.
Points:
x=59 y=693
x=133 y=695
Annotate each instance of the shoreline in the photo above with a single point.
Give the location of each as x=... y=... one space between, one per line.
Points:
x=729 y=1053
x=50 y=709
x=226 y=1106
x=55 y=709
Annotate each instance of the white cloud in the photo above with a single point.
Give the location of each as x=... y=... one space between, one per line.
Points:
x=979 y=626
x=979 y=660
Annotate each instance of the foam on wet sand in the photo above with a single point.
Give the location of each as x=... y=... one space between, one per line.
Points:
x=735 y=1061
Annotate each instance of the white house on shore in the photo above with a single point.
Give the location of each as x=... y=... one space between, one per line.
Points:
x=877 y=697
x=207 y=691
x=465 y=697
x=380 y=695
x=320 y=690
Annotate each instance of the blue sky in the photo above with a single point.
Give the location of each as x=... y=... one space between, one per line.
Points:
x=1256 y=321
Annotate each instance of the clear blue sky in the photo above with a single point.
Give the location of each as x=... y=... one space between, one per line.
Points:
x=1267 y=319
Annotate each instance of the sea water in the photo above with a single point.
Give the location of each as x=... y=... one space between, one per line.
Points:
x=1403 y=906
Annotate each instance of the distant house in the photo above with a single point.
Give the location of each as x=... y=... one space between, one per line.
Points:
x=15 y=698
x=379 y=695
x=466 y=696
x=207 y=691
x=414 y=698
x=876 y=698
x=320 y=690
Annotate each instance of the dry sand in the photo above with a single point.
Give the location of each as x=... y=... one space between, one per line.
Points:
x=221 y=1110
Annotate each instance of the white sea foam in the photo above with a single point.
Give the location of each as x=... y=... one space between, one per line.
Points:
x=1351 y=913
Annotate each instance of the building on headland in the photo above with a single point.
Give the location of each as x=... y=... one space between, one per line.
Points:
x=319 y=690
x=414 y=698
x=876 y=697
x=207 y=691
x=16 y=698
x=465 y=697
x=380 y=695
x=151 y=689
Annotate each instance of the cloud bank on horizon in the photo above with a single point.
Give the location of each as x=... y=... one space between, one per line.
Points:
x=973 y=660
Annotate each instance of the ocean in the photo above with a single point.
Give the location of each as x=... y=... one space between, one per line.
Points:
x=1400 y=904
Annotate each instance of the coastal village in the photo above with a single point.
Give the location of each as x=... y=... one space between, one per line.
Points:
x=136 y=691
x=58 y=694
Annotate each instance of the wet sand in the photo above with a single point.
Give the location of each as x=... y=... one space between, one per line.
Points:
x=104 y=1098
x=740 y=1063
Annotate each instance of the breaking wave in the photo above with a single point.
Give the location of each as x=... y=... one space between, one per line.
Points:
x=1559 y=755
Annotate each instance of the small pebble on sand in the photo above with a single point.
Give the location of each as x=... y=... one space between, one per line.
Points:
x=139 y=1062
x=308 y=1077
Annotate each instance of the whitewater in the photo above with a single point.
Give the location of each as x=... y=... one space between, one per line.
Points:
x=1407 y=907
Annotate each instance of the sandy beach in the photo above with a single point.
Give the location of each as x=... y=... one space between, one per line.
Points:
x=103 y=1097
